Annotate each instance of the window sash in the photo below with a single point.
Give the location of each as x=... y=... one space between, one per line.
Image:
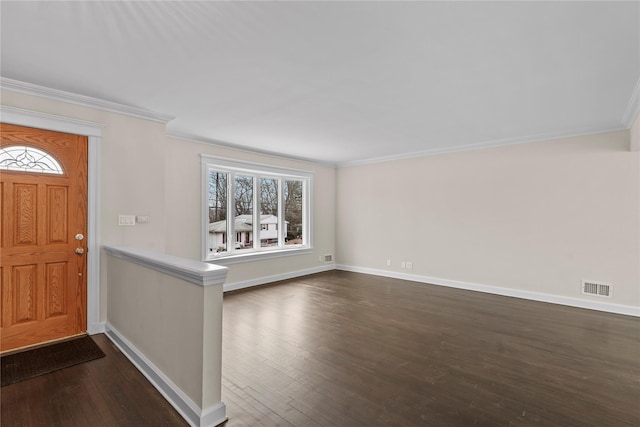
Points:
x=234 y=246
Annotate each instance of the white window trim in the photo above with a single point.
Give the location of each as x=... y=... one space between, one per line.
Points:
x=233 y=166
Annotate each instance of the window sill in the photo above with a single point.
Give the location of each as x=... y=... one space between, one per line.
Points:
x=258 y=256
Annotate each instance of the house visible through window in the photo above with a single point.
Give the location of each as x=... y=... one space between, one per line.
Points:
x=265 y=209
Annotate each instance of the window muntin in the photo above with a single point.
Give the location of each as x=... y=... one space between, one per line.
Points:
x=265 y=200
x=28 y=159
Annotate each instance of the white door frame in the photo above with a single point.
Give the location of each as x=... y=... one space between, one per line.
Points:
x=18 y=116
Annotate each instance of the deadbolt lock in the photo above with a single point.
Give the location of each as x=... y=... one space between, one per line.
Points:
x=79 y=236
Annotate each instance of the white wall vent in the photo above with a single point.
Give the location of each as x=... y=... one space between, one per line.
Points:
x=597 y=289
x=328 y=258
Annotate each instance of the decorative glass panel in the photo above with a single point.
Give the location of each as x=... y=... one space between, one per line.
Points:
x=28 y=159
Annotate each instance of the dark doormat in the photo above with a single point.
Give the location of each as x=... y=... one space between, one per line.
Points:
x=32 y=363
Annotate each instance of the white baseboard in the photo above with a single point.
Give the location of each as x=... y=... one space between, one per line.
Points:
x=96 y=328
x=277 y=277
x=188 y=409
x=509 y=292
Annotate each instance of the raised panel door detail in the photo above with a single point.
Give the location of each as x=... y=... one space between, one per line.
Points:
x=24 y=278
x=57 y=214
x=2 y=214
x=55 y=289
x=43 y=195
x=4 y=293
x=25 y=223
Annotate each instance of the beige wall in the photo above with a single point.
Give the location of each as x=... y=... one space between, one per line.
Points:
x=143 y=172
x=635 y=135
x=132 y=166
x=536 y=217
x=183 y=209
x=148 y=309
x=132 y=160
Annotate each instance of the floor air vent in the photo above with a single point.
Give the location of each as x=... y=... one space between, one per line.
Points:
x=596 y=289
x=328 y=258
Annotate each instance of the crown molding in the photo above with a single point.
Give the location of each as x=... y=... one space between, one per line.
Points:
x=37 y=119
x=633 y=107
x=478 y=146
x=85 y=101
x=227 y=145
x=630 y=114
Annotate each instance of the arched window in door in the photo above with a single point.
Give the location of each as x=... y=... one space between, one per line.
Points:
x=28 y=159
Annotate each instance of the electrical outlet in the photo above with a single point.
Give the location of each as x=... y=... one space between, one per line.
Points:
x=403 y=264
x=388 y=263
x=409 y=265
x=143 y=219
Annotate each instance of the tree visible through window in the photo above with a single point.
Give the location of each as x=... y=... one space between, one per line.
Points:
x=293 y=210
x=270 y=208
x=269 y=202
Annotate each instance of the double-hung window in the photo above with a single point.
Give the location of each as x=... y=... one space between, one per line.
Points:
x=254 y=211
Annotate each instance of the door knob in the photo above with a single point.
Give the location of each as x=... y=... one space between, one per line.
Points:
x=79 y=251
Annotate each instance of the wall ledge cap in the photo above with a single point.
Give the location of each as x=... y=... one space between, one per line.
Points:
x=196 y=272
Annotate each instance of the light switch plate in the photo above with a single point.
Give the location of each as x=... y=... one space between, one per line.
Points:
x=126 y=220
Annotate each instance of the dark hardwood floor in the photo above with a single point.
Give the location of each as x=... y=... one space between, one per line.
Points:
x=347 y=349
x=105 y=392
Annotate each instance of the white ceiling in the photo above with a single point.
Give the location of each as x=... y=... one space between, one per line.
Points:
x=341 y=82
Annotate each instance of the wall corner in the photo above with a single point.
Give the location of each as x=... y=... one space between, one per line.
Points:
x=634 y=135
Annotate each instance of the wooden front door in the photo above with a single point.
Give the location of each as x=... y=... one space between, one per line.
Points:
x=43 y=196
